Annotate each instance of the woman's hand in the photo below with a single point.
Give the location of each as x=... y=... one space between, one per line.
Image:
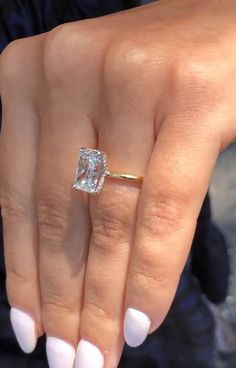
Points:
x=154 y=87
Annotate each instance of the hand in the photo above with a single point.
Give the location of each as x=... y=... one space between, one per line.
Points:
x=154 y=87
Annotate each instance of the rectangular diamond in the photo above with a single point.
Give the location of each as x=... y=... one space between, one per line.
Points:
x=91 y=171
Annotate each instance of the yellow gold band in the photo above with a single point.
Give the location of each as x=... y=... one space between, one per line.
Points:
x=123 y=176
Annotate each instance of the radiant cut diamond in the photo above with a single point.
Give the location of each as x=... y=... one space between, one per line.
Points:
x=91 y=170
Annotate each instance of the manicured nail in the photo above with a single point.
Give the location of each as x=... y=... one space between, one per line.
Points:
x=25 y=330
x=60 y=353
x=88 y=356
x=136 y=327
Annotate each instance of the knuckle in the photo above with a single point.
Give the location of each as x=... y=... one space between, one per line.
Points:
x=94 y=311
x=12 y=62
x=52 y=221
x=68 y=48
x=198 y=77
x=125 y=59
x=14 y=208
x=55 y=52
x=150 y=258
x=17 y=276
x=53 y=301
x=162 y=214
x=110 y=227
x=143 y=279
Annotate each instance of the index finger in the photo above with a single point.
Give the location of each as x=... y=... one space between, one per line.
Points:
x=173 y=190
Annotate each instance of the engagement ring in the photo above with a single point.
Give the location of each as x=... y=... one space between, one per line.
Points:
x=92 y=170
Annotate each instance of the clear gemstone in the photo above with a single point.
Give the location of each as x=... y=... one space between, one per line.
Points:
x=91 y=171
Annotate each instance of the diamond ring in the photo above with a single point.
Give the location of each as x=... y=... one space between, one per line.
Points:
x=92 y=170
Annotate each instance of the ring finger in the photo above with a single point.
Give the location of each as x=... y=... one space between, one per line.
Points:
x=64 y=226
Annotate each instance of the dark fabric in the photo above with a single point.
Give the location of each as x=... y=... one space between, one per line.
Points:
x=210 y=261
x=21 y=18
x=186 y=338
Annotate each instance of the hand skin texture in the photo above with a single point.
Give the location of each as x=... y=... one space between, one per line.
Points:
x=154 y=87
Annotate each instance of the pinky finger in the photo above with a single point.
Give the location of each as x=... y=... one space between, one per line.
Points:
x=170 y=202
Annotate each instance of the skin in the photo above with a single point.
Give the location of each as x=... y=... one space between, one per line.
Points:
x=154 y=87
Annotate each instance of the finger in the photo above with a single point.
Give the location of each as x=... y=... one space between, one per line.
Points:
x=64 y=227
x=70 y=84
x=113 y=213
x=173 y=190
x=64 y=221
x=19 y=139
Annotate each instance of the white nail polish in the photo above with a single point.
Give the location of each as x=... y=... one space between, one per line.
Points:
x=88 y=356
x=136 y=327
x=25 y=329
x=60 y=354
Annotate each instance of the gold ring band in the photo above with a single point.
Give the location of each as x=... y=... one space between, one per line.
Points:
x=92 y=171
x=123 y=176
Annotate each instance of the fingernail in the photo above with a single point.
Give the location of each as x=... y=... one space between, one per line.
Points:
x=136 y=327
x=25 y=330
x=60 y=353
x=88 y=356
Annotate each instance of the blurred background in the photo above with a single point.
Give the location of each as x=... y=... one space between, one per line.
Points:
x=223 y=199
